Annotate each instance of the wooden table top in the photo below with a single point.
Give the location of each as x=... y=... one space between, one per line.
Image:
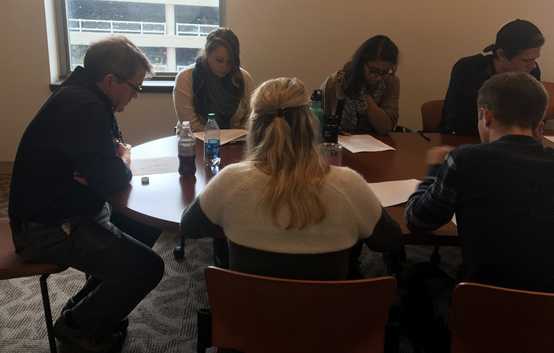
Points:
x=161 y=202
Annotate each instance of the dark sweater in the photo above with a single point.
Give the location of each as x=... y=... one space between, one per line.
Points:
x=502 y=194
x=459 y=114
x=73 y=133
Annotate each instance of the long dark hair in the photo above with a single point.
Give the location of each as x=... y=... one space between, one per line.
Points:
x=221 y=37
x=225 y=37
x=379 y=47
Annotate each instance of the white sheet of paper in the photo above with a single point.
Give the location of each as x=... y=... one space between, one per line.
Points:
x=453 y=220
x=391 y=193
x=549 y=138
x=147 y=166
x=227 y=135
x=363 y=143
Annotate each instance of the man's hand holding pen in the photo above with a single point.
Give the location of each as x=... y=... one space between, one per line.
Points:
x=123 y=151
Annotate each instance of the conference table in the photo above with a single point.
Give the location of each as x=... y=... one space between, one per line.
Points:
x=161 y=201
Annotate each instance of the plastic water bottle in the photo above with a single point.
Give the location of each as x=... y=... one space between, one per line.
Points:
x=212 y=137
x=186 y=149
x=316 y=106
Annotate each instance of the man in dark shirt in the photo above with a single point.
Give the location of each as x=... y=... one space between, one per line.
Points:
x=500 y=191
x=69 y=162
x=517 y=46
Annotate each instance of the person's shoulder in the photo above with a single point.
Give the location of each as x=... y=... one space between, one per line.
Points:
x=474 y=155
x=76 y=96
x=337 y=76
x=345 y=175
x=474 y=61
x=238 y=169
x=468 y=149
x=185 y=74
x=245 y=74
x=333 y=79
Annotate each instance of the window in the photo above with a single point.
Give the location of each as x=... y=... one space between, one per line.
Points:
x=170 y=32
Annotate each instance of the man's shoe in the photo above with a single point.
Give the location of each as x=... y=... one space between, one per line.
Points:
x=74 y=340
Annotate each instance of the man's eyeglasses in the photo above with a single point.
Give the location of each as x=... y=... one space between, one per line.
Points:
x=136 y=88
x=378 y=72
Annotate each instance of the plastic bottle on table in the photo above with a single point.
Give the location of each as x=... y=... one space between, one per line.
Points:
x=212 y=137
x=186 y=149
x=316 y=106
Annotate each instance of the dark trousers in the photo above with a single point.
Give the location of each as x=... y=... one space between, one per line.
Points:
x=121 y=269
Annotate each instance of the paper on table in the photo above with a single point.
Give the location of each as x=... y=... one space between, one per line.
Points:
x=391 y=193
x=227 y=135
x=363 y=143
x=146 y=166
x=549 y=138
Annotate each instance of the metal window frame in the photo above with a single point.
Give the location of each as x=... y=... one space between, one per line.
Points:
x=63 y=40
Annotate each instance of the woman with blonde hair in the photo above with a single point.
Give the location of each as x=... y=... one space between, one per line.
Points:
x=215 y=83
x=284 y=211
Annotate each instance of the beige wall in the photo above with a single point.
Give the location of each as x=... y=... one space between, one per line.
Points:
x=303 y=38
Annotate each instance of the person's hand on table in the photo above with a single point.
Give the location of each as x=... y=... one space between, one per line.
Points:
x=437 y=155
x=123 y=151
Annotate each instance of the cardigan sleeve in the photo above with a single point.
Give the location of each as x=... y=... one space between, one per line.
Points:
x=183 y=100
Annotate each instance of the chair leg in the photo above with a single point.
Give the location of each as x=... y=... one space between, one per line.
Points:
x=48 y=313
x=179 y=251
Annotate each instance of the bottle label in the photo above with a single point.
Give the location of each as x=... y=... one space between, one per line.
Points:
x=212 y=151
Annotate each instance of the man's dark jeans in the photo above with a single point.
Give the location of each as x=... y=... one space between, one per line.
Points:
x=122 y=269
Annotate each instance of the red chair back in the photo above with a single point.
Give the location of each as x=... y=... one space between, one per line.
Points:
x=262 y=314
x=431 y=115
x=487 y=319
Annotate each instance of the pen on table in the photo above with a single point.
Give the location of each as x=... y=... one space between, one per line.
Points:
x=425 y=137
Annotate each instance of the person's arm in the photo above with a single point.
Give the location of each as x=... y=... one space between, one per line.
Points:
x=433 y=203
x=386 y=236
x=195 y=224
x=385 y=117
x=91 y=148
x=203 y=218
x=183 y=100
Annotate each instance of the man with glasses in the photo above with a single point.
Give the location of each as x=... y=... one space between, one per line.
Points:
x=70 y=161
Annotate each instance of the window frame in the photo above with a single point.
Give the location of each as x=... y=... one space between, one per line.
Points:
x=62 y=36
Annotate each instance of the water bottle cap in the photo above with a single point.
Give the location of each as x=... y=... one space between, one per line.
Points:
x=316 y=95
x=211 y=115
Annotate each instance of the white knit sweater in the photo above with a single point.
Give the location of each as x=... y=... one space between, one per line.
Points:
x=232 y=201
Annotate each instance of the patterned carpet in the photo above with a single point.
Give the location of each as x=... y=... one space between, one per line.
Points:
x=165 y=321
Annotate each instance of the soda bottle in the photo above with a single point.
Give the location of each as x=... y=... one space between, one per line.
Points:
x=186 y=149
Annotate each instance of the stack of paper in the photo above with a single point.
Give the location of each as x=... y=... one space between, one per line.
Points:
x=549 y=138
x=227 y=135
x=392 y=193
x=161 y=165
x=363 y=143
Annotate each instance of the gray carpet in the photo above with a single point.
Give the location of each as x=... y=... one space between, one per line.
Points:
x=165 y=321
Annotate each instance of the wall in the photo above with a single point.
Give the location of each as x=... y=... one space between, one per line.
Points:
x=308 y=39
